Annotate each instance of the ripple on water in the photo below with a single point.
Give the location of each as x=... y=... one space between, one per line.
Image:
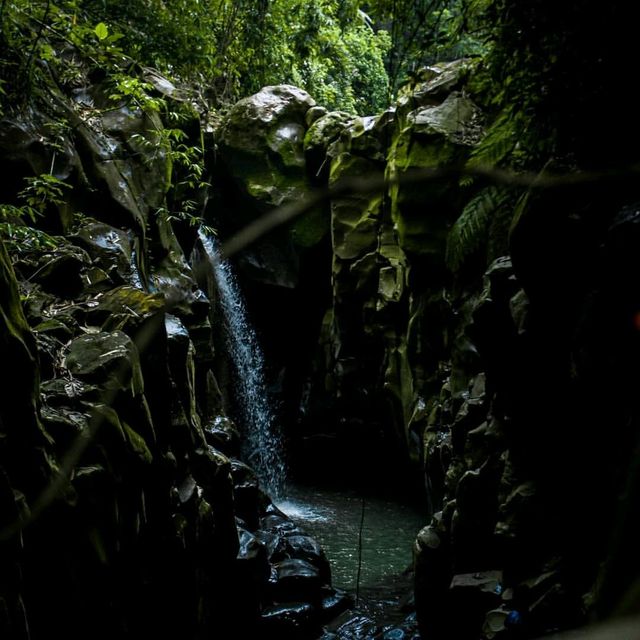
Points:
x=333 y=518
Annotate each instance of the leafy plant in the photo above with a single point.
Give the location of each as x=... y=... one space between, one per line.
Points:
x=469 y=233
x=41 y=191
x=20 y=237
x=134 y=91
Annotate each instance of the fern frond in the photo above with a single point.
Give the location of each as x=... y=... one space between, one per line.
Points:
x=469 y=233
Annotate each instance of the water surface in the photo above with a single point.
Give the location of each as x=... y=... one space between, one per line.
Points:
x=333 y=518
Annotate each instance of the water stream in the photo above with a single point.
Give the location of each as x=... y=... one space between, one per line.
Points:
x=333 y=517
x=262 y=443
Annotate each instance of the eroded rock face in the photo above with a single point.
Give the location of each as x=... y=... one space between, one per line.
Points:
x=491 y=383
x=461 y=373
x=113 y=366
x=262 y=152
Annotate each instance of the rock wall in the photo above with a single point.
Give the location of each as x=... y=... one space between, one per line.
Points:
x=126 y=511
x=505 y=377
x=505 y=382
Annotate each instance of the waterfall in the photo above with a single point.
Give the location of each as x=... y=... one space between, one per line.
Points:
x=262 y=443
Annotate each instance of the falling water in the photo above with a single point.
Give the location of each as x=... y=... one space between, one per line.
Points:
x=262 y=446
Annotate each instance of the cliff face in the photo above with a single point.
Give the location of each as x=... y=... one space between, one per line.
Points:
x=126 y=511
x=462 y=334
x=479 y=334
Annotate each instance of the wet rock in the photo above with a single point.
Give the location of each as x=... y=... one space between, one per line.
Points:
x=247 y=493
x=287 y=620
x=126 y=308
x=284 y=544
x=58 y=271
x=294 y=580
x=277 y=522
x=407 y=630
x=353 y=627
x=334 y=603
x=111 y=250
x=253 y=554
x=182 y=368
x=64 y=425
x=60 y=391
x=306 y=548
x=106 y=357
x=222 y=434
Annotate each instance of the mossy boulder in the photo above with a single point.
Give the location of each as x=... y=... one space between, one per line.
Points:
x=434 y=83
x=261 y=141
x=431 y=137
x=323 y=133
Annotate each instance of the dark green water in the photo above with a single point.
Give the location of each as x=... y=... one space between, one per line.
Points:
x=333 y=518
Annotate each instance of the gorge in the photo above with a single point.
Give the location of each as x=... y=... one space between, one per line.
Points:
x=444 y=345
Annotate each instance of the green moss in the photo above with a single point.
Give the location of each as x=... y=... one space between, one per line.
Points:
x=354 y=225
x=398 y=380
x=137 y=444
x=309 y=229
x=131 y=301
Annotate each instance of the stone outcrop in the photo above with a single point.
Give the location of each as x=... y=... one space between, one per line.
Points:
x=491 y=374
x=126 y=511
x=503 y=379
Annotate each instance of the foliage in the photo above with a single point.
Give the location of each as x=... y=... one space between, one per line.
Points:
x=470 y=232
x=555 y=67
x=135 y=92
x=423 y=32
x=18 y=238
x=39 y=192
x=340 y=65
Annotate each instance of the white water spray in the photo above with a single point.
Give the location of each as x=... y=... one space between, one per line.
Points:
x=262 y=444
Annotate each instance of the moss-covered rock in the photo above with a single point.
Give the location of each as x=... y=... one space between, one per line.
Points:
x=262 y=143
x=430 y=137
x=322 y=133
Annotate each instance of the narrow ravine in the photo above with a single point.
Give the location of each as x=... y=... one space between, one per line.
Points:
x=403 y=407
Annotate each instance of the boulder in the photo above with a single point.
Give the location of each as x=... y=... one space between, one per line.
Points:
x=262 y=142
x=295 y=579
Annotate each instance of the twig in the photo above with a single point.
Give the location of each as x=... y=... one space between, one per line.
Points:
x=38 y=36
x=268 y=222
x=348 y=186
x=360 y=551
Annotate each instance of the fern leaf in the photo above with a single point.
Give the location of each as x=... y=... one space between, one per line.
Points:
x=469 y=233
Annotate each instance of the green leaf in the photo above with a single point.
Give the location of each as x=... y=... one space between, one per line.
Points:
x=102 y=31
x=469 y=233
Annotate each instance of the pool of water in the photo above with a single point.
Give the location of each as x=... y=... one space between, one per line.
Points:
x=334 y=517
